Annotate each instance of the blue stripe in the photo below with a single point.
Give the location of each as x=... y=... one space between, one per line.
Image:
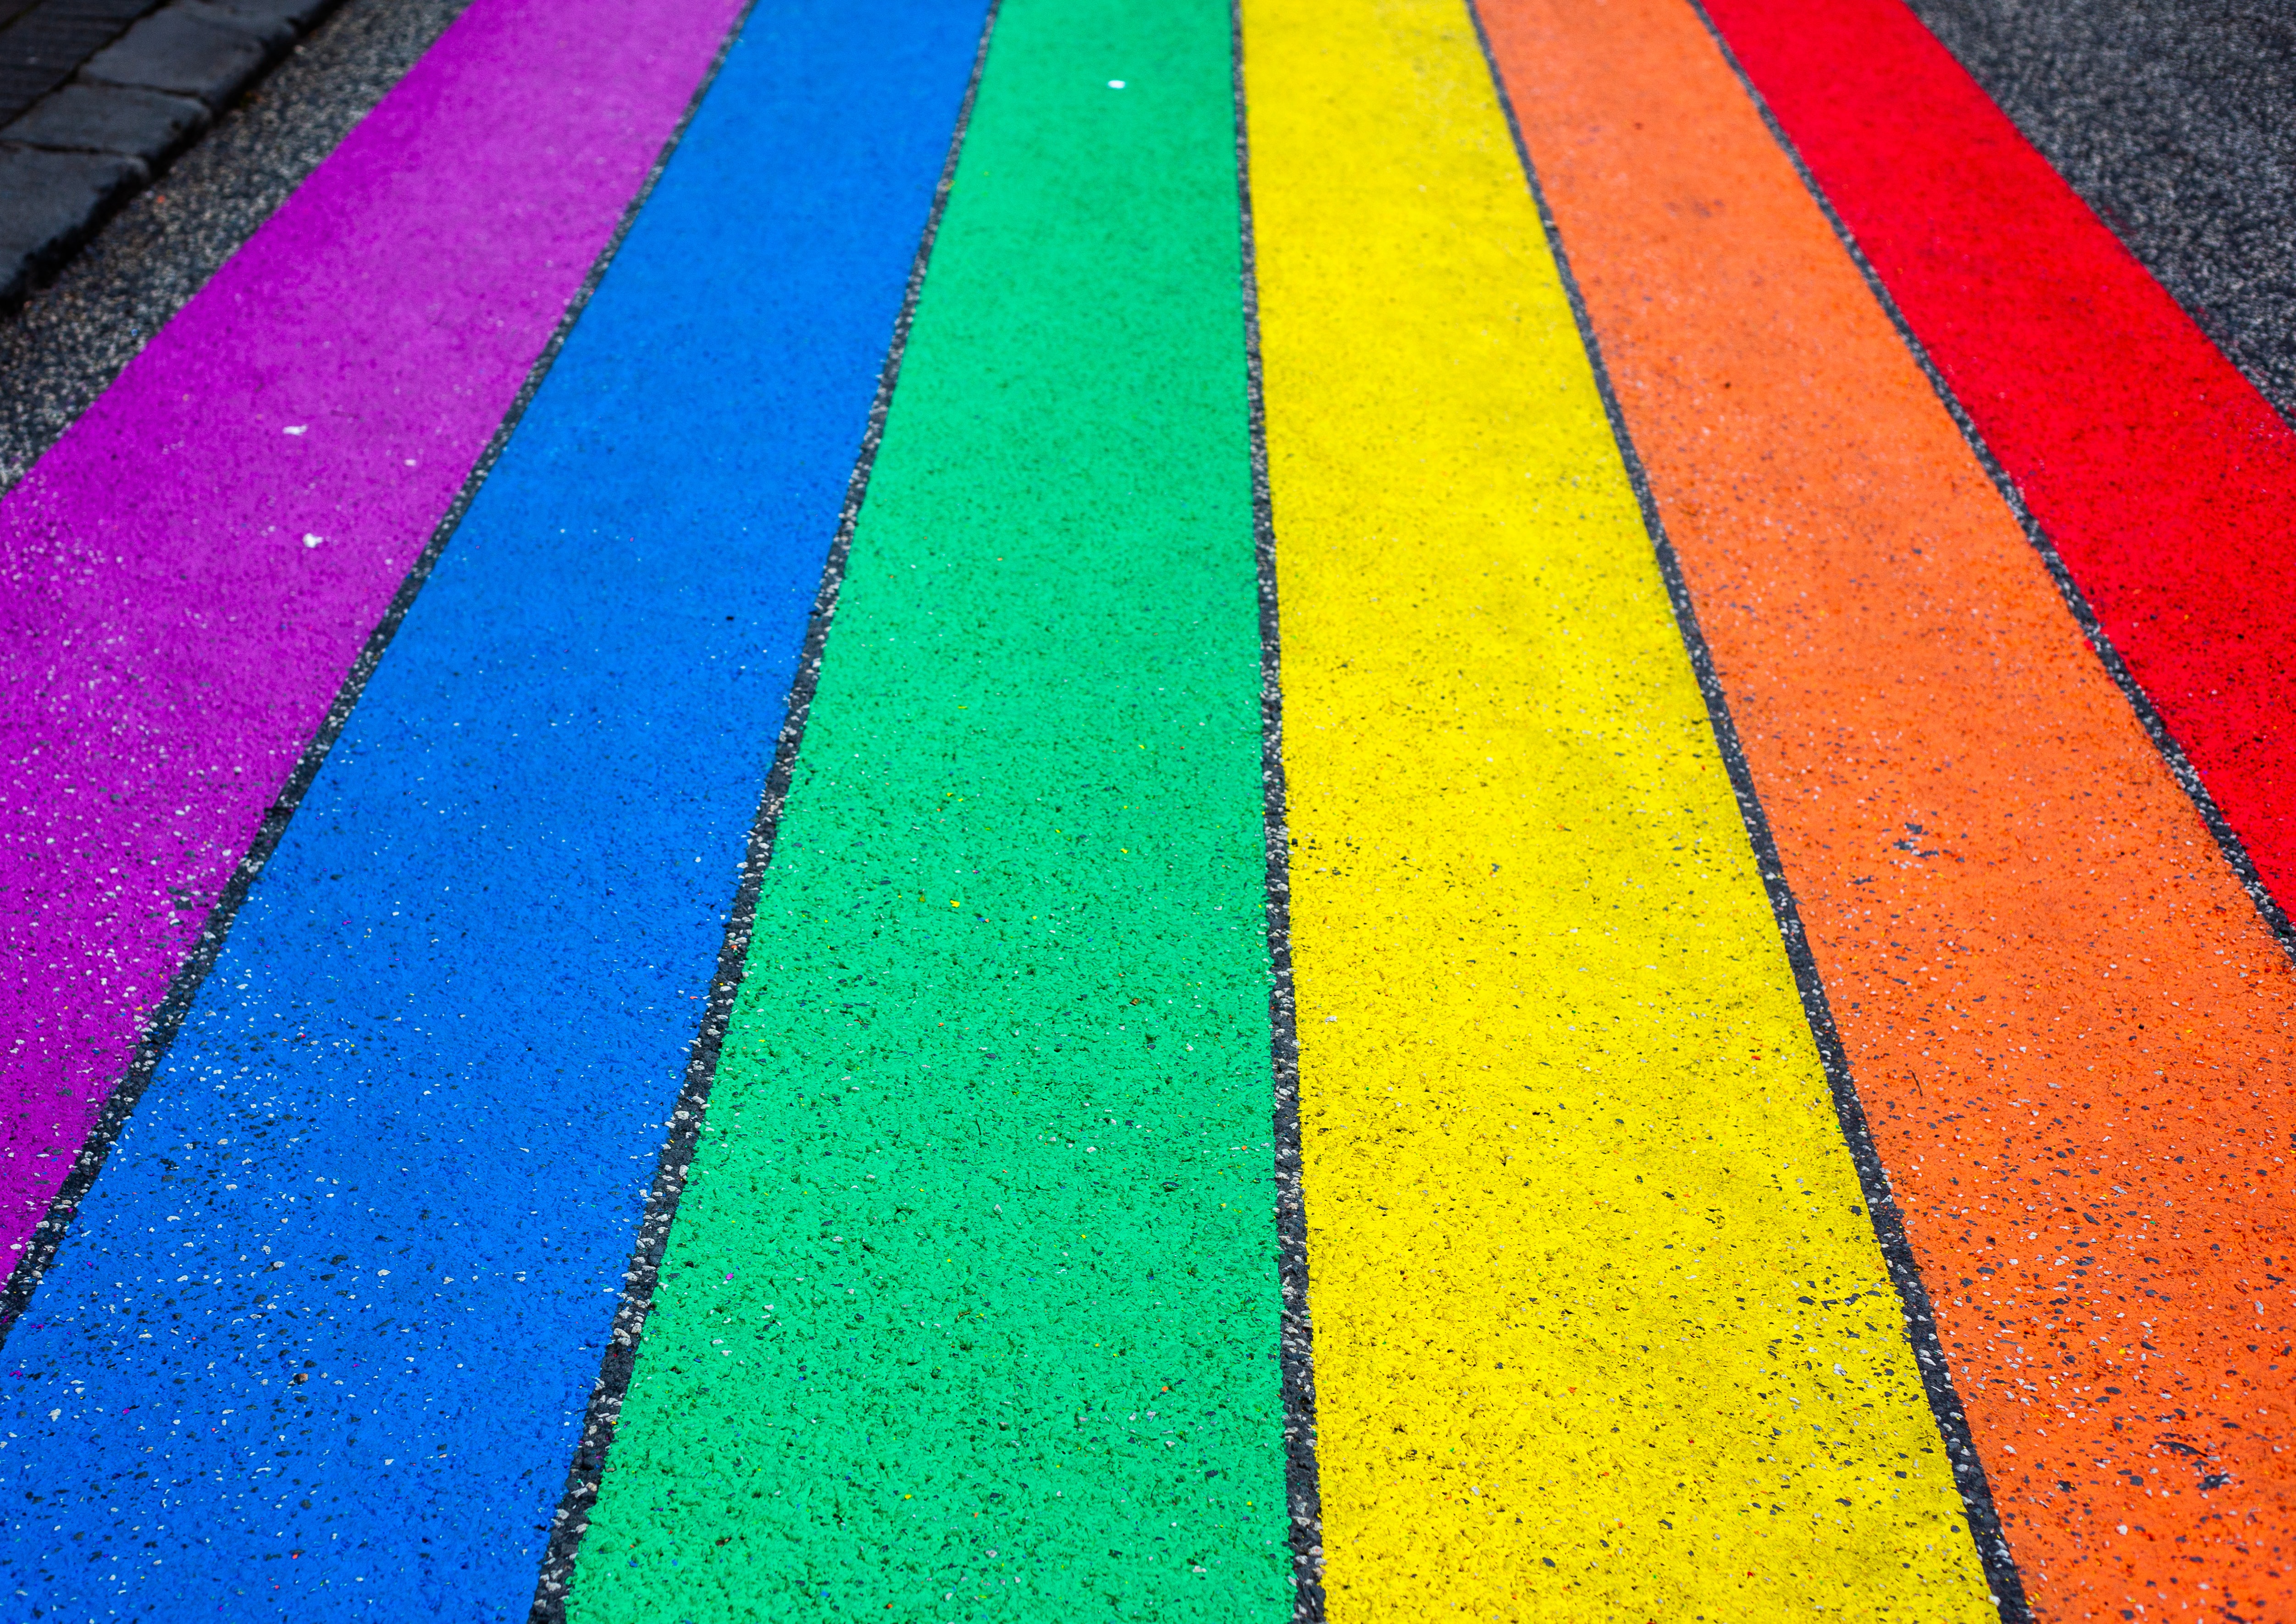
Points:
x=320 y=1344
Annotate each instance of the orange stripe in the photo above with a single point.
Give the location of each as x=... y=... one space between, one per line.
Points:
x=2070 y=1027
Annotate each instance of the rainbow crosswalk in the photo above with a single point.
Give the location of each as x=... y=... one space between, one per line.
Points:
x=1066 y=810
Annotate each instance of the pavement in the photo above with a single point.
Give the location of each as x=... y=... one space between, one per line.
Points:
x=1048 y=809
x=98 y=96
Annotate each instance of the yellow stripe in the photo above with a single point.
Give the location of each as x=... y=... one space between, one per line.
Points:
x=1582 y=1231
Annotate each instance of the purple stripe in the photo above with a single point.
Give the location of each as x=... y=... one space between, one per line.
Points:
x=169 y=639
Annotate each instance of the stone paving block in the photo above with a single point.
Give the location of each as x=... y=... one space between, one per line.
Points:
x=144 y=123
x=49 y=202
x=40 y=49
x=148 y=82
x=183 y=53
x=300 y=15
x=276 y=32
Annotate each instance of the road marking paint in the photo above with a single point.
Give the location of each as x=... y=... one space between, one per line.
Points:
x=1600 y=1323
x=2164 y=480
x=327 y=1320
x=171 y=651
x=2018 y=915
x=1003 y=1170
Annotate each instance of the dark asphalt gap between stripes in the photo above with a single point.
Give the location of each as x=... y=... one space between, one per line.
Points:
x=571 y=1520
x=973 y=1285
x=536 y=813
x=2153 y=481
x=2035 y=767
x=2175 y=121
x=1881 y=1207
x=165 y=1020
x=1303 y=1492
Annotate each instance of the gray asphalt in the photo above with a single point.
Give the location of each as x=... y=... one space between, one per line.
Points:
x=2175 y=120
x=71 y=339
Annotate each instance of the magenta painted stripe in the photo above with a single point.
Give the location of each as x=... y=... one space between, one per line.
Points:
x=187 y=575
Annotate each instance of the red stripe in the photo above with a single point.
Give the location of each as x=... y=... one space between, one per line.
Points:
x=2166 y=482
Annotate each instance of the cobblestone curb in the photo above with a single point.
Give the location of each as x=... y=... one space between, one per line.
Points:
x=105 y=93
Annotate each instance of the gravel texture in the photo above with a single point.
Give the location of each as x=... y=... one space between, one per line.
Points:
x=1650 y=904
x=2175 y=120
x=71 y=339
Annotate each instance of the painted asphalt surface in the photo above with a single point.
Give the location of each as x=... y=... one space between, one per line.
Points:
x=64 y=349
x=1088 y=811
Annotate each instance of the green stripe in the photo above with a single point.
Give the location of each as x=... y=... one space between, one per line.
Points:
x=971 y=1308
